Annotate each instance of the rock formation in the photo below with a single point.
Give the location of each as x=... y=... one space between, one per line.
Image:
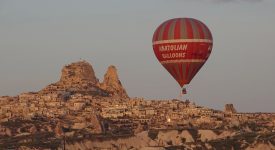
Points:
x=78 y=72
x=78 y=77
x=112 y=84
x=229 y=108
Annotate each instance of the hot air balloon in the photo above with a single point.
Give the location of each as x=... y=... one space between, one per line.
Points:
x=182 y=46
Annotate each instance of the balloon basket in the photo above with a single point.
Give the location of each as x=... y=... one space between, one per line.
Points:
x=182 y=93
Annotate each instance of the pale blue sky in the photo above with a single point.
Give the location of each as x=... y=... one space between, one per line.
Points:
x=38 y=37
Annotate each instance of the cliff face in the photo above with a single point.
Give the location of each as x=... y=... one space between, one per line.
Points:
x=112 y=84
x=78 y=72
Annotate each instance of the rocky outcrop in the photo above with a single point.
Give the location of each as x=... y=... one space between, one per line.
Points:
x=112 y=84
x=79 y=77
x=229 y=108
x=78 y=72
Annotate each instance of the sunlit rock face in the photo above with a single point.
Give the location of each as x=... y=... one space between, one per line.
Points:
x=78 y=72
x=77 y=77
x=112 y=84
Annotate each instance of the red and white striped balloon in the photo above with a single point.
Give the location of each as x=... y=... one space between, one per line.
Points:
x=182 y=46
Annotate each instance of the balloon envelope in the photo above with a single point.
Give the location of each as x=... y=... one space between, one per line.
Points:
x=182 y=46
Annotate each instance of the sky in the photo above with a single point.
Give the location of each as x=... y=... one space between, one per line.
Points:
x=38 y=37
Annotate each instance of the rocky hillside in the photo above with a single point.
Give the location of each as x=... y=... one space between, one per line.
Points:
x=181 y=139
x=81 y=112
